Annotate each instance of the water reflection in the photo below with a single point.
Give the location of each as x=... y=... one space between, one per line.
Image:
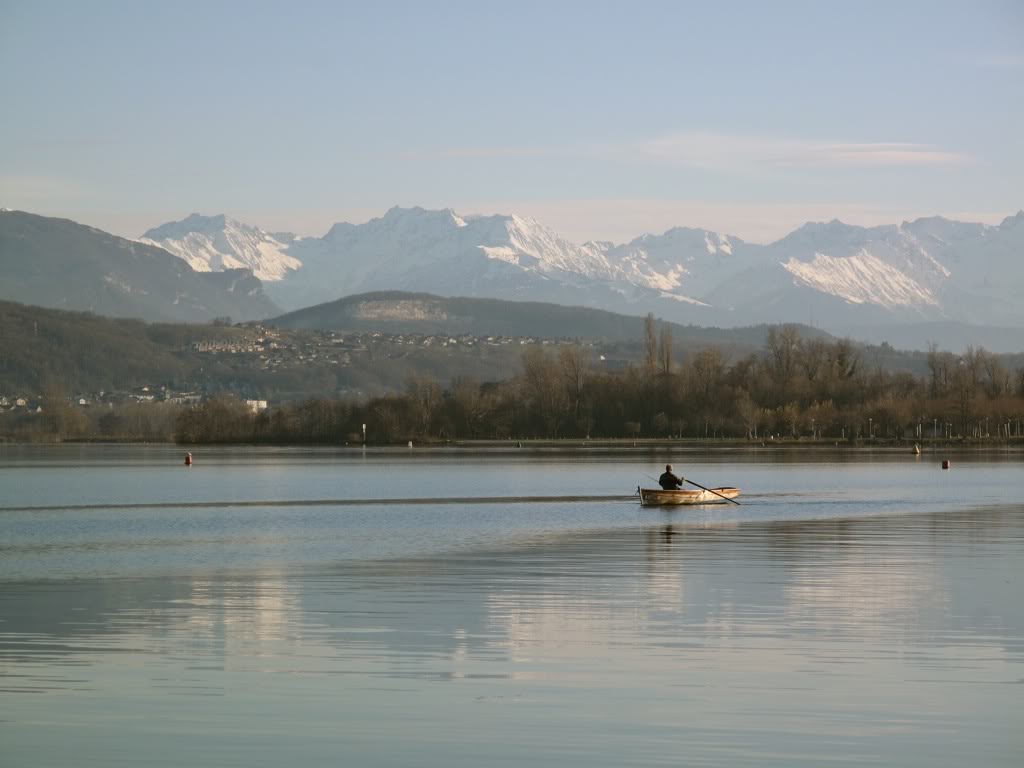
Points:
x=779 y=643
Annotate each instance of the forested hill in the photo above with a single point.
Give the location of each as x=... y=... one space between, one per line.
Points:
x=40 y=348
x=405 y=312
x=44 y=349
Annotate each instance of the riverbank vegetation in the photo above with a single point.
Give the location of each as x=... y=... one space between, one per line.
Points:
x=796 y=388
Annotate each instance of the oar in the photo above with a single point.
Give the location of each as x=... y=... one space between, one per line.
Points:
x=685 y=480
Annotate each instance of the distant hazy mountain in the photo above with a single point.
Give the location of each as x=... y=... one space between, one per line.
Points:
x=833 y=275
x=58 y=263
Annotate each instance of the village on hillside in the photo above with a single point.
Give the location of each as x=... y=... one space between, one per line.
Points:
x=263 y=351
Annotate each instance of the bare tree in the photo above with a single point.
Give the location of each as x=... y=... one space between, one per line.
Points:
x=650 y=345
x=747 y=412
x=665 y=350
x=964 y=387
x=783 y=345
x=425 y=393
x=791 y=416
x=996 y=378
x=706 y=370
x=471 y=405
x=940 y=365
x=813 y=358
x=544 y=388
x=575 y=363
x=387 y=418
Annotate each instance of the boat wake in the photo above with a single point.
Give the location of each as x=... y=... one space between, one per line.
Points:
x=324 y=502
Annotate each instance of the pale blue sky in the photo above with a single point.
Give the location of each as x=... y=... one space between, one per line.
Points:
x=603 y=119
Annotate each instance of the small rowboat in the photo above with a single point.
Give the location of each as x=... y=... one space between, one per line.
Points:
x=655 y=497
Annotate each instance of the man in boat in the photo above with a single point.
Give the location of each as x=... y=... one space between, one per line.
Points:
x=668 y=481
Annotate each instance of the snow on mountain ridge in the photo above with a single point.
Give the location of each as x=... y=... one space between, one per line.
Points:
x=684 y=260
x=862 y=278
x=217 y=243
x=918 y=265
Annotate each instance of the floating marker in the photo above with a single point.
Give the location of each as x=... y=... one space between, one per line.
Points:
x=188 y=459
x=945 y=463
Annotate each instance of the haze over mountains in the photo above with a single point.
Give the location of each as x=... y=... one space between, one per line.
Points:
x=868 y=282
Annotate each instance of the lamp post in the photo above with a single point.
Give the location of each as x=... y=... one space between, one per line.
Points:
x=871 y=430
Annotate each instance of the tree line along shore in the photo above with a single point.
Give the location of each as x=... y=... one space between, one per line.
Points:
x=795 y=390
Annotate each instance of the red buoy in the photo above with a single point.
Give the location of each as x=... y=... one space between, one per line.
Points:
x=945 y=463
x=188 y=459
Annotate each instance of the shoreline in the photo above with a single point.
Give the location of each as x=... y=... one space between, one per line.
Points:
x=600 y=445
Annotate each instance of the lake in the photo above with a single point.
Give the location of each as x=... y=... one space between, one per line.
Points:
x=270 y=606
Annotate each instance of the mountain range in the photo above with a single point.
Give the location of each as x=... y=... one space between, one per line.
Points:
x=835 y=276
x=832 y=274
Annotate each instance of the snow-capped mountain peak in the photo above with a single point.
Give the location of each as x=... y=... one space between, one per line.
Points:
x=932 y=267
x=217 y=243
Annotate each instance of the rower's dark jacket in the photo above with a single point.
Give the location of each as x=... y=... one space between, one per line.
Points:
x=669 y=481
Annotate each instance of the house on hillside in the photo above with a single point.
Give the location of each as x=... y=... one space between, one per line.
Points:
x=143 y=395
x=182 y=398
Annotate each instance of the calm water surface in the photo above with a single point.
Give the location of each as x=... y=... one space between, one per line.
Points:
x=852 y=611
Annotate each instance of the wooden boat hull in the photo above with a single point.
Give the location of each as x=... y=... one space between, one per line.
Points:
x=655 y=497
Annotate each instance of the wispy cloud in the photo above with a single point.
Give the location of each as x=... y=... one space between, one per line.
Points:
x=726 y=152
x=1001 y=60
x=736 y=153
x=485 y=152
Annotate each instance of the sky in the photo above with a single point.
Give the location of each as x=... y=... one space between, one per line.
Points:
x=604 y=120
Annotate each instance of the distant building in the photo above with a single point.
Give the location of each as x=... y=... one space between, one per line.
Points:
x=143 y=394
x=187 y=398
